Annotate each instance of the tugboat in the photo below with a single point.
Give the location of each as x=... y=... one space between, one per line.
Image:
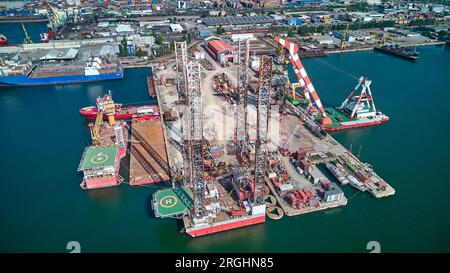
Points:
x=397 y=50
x=3 y=40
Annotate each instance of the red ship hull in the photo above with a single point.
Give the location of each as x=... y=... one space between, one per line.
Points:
x=226 y=226
x=90 y=112
x=356 y=125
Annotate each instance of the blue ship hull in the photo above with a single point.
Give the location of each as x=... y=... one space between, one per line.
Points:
x=22 y=80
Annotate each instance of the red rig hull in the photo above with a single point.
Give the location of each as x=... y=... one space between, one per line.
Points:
x=355 y=125
x=226 y=225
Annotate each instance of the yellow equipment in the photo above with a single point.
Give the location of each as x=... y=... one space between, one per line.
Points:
x=294 y=86
x=110 y=109
x=383 y=39
x=344 y=37
x=95 y=129
x=280 y=55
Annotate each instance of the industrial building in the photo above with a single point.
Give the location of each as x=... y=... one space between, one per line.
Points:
x=316 y=175
x=219 y=49
x=258 y=20
x=340 y=35
x=242 y=36
x=333 y=194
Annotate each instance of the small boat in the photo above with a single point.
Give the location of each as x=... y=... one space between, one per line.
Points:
x=3 y=40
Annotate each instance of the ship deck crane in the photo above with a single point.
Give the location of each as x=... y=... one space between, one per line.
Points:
x=95 y=128
x=303 y=78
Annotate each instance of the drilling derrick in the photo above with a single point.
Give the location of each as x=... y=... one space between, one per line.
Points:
x=180 y=57
x=196 y=140
x=242 y=99
x=263 y=104
x=242 y=149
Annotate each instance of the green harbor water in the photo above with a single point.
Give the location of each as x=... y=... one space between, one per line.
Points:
x=42 y=206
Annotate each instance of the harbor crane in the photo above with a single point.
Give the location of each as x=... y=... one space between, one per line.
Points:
x=303 y=78
x=344 y=37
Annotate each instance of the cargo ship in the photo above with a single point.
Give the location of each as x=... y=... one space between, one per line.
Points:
x=22 y=19
x=21 y=16
x=3 y=40
x=334 y=170
x=46 y=72
x=120 y=112
x=397 y=50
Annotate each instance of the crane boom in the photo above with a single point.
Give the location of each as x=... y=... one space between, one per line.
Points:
x=95 y=129
x=27 y=39
x=360 y=81
x=303 y=78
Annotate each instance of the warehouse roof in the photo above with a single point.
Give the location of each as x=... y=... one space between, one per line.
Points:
x=61 y=54
x=238 y=20
x=219 y=45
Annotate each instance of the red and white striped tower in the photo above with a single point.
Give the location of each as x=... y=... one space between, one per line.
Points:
x=303 y=77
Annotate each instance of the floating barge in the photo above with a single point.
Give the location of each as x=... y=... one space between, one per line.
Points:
x=148 y=156
x=341 y=121
x=151 y=87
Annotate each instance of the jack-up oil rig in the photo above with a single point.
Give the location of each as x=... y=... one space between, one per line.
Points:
x=203 y=211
